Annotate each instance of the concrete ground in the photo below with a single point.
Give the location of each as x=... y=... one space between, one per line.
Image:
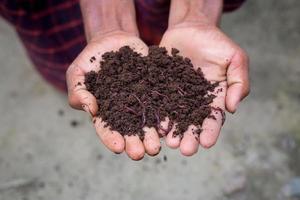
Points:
x=42 y=157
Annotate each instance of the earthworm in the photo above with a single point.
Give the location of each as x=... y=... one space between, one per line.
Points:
x=181 y=92
x=131 y=110
x=140 y=102
x=157 y=119
x=144 y=110
x=144 y=118
x=160 y=94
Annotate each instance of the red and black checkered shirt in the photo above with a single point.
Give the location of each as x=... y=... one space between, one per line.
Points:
x=52 y=30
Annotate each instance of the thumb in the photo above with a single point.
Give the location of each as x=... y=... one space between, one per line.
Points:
x=237 y=80
x=78 y=96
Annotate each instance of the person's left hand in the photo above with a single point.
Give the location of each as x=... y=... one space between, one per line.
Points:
x=221 y=60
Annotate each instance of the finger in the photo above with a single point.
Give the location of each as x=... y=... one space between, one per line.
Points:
x=237 y=80
x=134 y=147
x=151 y=141
x=165 y=127
x=113 y=140
x=171 y=141
x=211 y=126
x=79 y=97
x=190 y=142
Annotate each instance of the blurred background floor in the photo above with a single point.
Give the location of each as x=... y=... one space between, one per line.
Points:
x=49 y=151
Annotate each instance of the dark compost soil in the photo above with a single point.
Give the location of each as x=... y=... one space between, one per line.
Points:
x=134 y=91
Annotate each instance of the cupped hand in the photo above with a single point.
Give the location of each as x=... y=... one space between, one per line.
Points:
x=80 y=98
x=221 y=60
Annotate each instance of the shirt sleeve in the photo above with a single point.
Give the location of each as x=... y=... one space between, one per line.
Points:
x=231 y=5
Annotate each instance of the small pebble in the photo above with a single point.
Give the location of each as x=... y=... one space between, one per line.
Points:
x=74 y=123
x=165 y=158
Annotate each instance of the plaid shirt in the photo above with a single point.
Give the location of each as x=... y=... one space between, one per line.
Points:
x=52 y=30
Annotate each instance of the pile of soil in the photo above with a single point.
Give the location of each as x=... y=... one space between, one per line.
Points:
x=134 y=91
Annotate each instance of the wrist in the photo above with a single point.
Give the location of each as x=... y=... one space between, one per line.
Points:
x=114 y=34
x=103 y=17
x=195 y=12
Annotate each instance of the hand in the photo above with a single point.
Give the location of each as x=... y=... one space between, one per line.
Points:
x=221 y=60
x=80 y=98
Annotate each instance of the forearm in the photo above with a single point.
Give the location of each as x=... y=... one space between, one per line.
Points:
x=195 y=11
x=102 y=16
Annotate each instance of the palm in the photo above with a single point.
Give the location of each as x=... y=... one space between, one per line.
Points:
x=209 y=49
x=98 y=46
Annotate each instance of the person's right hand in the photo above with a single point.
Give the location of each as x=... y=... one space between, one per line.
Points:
x=80 y=98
